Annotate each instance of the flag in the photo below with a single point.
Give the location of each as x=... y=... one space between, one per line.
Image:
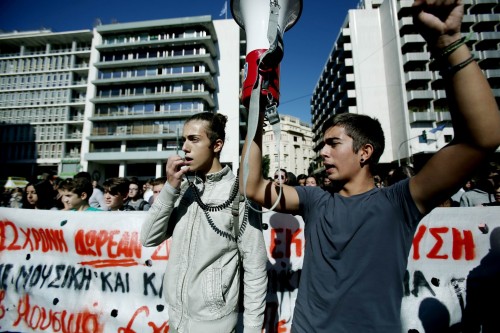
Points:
x=437 y=129
x=224 y=9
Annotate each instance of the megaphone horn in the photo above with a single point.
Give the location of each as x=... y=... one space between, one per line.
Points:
x=265 y=22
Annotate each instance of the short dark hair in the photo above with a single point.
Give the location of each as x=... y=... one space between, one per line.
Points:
x=83 y=174
x=363 y=130
x=116 y=185
x=78 y=185
x=159 y=181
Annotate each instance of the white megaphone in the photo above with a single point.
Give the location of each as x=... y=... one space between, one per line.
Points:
x=265 y=22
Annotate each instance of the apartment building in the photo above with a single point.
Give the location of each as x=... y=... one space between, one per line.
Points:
x=379 y=66
x=147 y=78
x=112 y=101
x=293 y=151
x=43 y=88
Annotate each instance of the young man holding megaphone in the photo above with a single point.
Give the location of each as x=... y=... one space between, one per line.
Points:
x=358 y=239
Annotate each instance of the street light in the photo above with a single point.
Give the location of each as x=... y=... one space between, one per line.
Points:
x=423 y=136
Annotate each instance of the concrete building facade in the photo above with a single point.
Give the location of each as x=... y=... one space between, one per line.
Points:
x=43 y=89
x=380 y=66
x=294 y=151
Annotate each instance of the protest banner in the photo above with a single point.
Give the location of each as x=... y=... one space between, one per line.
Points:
x=66 y=271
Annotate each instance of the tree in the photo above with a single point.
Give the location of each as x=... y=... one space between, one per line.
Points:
x=266 y=163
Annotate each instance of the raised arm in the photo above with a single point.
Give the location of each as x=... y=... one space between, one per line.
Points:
x=475 y=115
x=258 y=189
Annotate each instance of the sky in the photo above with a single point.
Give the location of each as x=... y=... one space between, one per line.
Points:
x=307 y=44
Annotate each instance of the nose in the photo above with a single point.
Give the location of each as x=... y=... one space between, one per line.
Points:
x=322 y=152
x=185 y=146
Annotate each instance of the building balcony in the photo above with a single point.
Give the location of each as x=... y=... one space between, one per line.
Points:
x=486 y=22
x=207 y=78
x=404 y=8
x=422 y=116
x=419 y=95
x=204 y=95
x=440 y=94
x=492 y=73
x=76 y=135
x=413 y=40
x=155 y=61
x=138 y=115
x=206 y=41
x=140 y=156
x=418 y=77
x=131 y=131
x=443 y=116
x=488 y=40
x=414 y=61
x=468 y=21
x=482 y=6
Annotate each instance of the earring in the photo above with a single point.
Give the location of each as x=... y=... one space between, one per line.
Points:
x=362 y=160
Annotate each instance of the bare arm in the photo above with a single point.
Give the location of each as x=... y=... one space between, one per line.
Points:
x=475 y=115
x=258 y=189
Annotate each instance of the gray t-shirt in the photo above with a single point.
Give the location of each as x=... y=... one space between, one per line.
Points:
x=355 y=259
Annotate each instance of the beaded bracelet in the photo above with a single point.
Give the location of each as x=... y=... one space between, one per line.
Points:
x=449 y=71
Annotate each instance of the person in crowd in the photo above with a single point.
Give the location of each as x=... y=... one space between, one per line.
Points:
x=281 y=177
x=157 y=185
x=39 y=196
x=76 y=193
x=60 y=203
x=30 y=197
x=482 y=192
x=358 y=238
x=116 y=193
x=147 y=189
x=399 y=173
x=6 y=196
x=96 y=200
x=326 y=183
x=16 y=200
x=469 y=185
x=311 y=181
x=496 y=193
x=292 y=179
x=301 y=179
x=215 y=237
x=135 y=198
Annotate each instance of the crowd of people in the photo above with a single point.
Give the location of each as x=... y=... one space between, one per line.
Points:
x=81 y=193
x=131 y=194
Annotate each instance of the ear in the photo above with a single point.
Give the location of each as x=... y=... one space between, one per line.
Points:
x=365 y=153
x=218 y=144
x=84 y=196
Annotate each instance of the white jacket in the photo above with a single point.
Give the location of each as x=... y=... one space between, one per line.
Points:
x=202 y=278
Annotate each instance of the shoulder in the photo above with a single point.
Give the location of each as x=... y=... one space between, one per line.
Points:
x=312 y=194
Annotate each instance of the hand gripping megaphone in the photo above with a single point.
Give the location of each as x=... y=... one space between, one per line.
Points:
x=264 y=22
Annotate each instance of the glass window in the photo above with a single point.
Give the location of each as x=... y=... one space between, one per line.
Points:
x=175 y=106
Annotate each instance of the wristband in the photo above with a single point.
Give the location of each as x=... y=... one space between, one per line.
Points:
x=450 y=71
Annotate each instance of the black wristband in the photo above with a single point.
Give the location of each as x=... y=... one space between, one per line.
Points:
x=450 y=71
